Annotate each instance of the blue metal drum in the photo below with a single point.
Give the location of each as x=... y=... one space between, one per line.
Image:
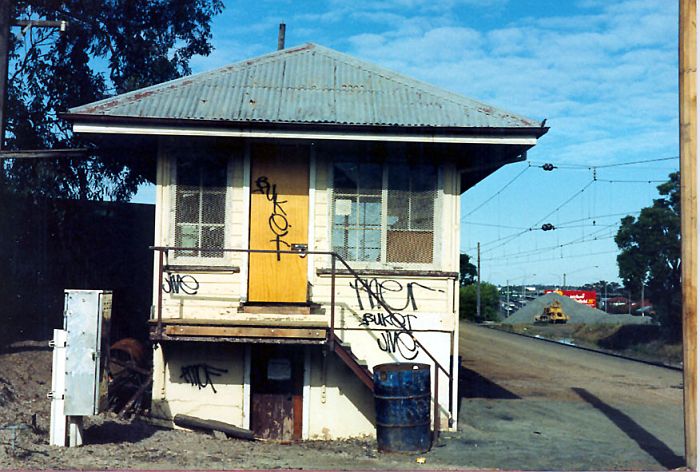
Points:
x=402 y=403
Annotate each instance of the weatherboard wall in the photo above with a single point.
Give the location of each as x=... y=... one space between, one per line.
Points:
x=337 y=401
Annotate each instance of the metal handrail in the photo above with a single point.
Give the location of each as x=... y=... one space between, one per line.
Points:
x=162 y=250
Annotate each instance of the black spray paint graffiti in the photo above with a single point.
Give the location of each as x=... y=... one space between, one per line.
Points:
x=384 y=320
x=374 y=289
x=398 y=342
x=176 y=283
x=278 y=223
x=394 y=342
x=199 y=375
x=401 y=341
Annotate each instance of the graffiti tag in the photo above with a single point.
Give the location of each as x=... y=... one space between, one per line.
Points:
x=376 y=290
x=398 y=342
x=396 y=320
x=176 y=283
x=277 y=221
x=200 y=375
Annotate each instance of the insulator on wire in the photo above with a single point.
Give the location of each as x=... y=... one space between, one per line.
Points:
x=548 y=167
x=547 y=227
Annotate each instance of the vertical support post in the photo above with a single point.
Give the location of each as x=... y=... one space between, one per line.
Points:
x=331 y=340
x=688 y=113
x=75 y=431
x=160 y=293
x=436 y=407
x=5 y=23
x=57 y=432
x=478 y=281
x=508 y=298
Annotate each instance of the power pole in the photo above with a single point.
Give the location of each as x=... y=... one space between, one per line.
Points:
x=6 y=21
x=478 y=281
x=508 y=298
x=688 y=121
x=5 y=11
x=606 y=297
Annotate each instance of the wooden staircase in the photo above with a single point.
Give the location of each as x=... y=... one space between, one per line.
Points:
x=358 y=366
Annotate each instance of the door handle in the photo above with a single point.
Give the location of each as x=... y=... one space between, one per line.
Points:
x=300 y=248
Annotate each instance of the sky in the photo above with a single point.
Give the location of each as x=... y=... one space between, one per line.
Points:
x=604 y=74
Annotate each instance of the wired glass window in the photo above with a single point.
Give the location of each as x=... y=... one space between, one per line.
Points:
x=200 y=205
x=357 y=216
x=384 y=212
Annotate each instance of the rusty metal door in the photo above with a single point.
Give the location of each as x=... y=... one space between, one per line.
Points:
x=277 y=383
x=279 y=220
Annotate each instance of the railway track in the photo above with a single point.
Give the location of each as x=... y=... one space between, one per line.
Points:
x=583 y=348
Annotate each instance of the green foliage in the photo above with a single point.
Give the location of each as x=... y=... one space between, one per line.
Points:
x=467 y=270
x=650 y=253
x=489 y=302
x=110 y=47
x=603 y=286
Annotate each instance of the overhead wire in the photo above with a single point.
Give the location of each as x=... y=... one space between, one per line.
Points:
x=568 y=256
x=499 y=191
x=548 y=248
x=502 y=241
x=516 y=235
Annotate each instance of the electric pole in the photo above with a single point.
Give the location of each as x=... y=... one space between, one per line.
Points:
x=5 y=11
x=6 y=21
x=508 y=298
x=478 y=282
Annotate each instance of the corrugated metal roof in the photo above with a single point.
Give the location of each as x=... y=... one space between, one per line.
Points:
x=306 y=84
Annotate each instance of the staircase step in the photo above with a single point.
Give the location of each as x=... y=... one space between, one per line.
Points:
x=359 y=367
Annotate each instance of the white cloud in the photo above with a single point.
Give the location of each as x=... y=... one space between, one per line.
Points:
x=606 y=79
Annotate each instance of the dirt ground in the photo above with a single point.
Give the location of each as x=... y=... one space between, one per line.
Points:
x=524 y=404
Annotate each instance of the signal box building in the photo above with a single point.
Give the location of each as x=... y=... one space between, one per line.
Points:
x=307 y=229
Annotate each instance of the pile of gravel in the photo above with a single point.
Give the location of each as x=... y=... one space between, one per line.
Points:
x=578 y=313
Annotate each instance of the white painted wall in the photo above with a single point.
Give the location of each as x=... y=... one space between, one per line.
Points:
x=339 y=404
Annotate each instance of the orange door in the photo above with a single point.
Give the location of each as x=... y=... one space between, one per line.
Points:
x=279 y=220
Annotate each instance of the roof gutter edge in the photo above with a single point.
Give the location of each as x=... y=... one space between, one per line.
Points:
x=163 y=123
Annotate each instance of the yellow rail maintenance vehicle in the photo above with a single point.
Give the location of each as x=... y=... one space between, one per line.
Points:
x=552 y=313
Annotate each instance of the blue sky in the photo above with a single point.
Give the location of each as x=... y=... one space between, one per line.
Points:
x=603 y=73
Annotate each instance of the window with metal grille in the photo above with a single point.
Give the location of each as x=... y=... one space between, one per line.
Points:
x=384 y=212
x=200 y=204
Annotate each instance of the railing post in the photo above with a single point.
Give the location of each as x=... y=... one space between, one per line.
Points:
x=436 y=407
x=160 y=293
x=331 y=340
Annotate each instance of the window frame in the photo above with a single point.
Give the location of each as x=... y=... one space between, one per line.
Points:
x=196 y=150
x=386 y=165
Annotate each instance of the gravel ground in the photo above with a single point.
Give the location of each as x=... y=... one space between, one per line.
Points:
x=524 y=405
x=578 y=312
x=111 y=443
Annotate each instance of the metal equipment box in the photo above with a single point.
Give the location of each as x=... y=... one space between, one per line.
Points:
x=86 y=319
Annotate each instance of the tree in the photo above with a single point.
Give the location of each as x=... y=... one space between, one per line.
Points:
x=467 y=271
x=650 y=253
x=110 y=47
x=603 y=286
x=489 y=302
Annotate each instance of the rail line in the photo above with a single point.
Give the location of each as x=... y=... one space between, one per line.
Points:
x=583 y=348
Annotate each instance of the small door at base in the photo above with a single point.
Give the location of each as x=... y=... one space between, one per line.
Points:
x=277 y=381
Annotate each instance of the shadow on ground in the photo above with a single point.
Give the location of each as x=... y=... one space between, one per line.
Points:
x=473 y=385
x=111 y=432
x=646 y=441
x=12 y=349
